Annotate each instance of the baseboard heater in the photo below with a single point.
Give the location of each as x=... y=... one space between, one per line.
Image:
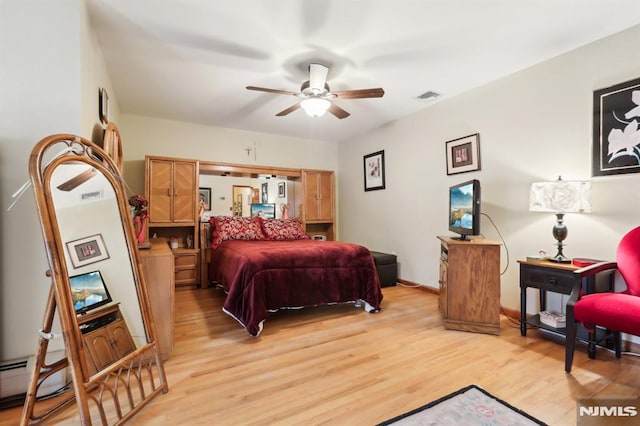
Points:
x=13 y=376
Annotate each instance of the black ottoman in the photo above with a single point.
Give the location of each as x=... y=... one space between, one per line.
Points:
x=387 y=267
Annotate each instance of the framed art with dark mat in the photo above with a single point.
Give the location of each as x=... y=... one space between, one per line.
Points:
x=616 y=136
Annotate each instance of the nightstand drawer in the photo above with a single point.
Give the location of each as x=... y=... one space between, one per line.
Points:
x=545 y=279
x=185 y=275
x=186 y=260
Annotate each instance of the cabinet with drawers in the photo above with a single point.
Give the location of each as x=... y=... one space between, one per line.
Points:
x=106 y=338
x=470 y=285
x=187 y=270
x=158 y=267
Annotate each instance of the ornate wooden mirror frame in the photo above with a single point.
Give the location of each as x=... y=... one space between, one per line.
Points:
x=111 y=391
x=112 y=145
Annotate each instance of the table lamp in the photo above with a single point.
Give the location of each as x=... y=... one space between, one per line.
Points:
x=560 y=197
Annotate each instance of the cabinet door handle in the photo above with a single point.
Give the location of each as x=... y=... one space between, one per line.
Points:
x=553 y=281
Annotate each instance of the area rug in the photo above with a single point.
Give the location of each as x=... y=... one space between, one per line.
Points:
x=468 y=406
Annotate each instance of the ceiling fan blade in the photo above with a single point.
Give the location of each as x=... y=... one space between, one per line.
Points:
x=359 y=94
x=317 y=77
x=338 y=112
x=77 y=180
x=276 y=91
x=288 y=110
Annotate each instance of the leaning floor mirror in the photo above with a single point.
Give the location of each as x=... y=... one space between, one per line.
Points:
x=98 y=289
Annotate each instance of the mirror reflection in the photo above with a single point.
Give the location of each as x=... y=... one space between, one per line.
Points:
x=96 y=253
x=233 y=195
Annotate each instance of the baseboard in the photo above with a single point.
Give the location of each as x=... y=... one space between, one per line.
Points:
x=12 y=401
x=511 y=313
x=629 y=346
x=419 y=286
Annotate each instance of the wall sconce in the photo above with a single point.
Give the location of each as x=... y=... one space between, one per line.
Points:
x=560 y=197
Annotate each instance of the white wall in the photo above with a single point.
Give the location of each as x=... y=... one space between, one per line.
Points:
x=152 y=136
x=533 y=125
x=48 y=62
x=39 y=95
x=94 y=76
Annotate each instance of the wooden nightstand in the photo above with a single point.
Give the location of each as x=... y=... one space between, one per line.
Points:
x=559 y=278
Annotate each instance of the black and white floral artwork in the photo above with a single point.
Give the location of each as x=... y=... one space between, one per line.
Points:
x=616 y=137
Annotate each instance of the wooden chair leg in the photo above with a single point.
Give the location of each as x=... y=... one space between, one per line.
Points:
x=617 y=341
x=570 y=343
x=591 y=344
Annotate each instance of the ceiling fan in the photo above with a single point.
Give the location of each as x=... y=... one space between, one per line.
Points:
x=316 y=95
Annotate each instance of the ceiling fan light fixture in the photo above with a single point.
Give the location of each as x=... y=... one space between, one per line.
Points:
x=315 y=107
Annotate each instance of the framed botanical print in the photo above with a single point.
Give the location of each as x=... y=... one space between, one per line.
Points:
x=616 y=136
x=374 y=171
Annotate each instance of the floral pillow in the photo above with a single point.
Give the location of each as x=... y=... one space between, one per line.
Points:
x=235 y=228
x=283 y=229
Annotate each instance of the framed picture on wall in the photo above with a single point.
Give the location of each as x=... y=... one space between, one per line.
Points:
x=104 y=105
x=374 y=171
x=265 y=192
x=463 y=154
x=205 y=198
x=87 y=250
x=282 y=190
x=616 y=138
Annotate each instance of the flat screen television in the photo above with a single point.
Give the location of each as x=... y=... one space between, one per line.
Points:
x=464 y=209
x=88 y=291
x=265 y=210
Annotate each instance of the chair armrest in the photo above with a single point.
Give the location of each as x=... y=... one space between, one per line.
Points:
x=596 y=268
x=586 y=272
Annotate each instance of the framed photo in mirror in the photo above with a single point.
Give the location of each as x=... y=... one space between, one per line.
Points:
x=87 y=250
x=205 y=198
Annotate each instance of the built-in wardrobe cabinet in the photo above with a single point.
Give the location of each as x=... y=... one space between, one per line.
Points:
x=171 y=187
x=318 y=188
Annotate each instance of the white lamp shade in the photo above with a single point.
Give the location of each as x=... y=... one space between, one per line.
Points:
x=560 y=196
x=315 y=107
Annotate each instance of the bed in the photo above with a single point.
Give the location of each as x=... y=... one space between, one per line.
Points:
x=269 y=264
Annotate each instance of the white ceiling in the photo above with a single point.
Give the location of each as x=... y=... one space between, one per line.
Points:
x=190 y=60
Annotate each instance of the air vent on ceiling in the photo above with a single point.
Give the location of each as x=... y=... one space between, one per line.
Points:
x=429 y=96
x=96 y=195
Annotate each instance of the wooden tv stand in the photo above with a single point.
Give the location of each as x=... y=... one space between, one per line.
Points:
x=105 y=336
x=470 y=284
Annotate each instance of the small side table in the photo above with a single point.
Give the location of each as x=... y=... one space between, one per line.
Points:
x=553 y=277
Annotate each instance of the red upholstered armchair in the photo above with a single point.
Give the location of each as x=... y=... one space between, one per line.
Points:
x=618 y=312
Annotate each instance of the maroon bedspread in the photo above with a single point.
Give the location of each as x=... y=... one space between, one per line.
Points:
x=262 y=276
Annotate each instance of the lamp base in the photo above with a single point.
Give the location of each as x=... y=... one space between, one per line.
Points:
x=560 y=258
x=560 y=233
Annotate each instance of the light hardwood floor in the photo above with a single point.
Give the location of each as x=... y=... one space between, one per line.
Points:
x=339 y=365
